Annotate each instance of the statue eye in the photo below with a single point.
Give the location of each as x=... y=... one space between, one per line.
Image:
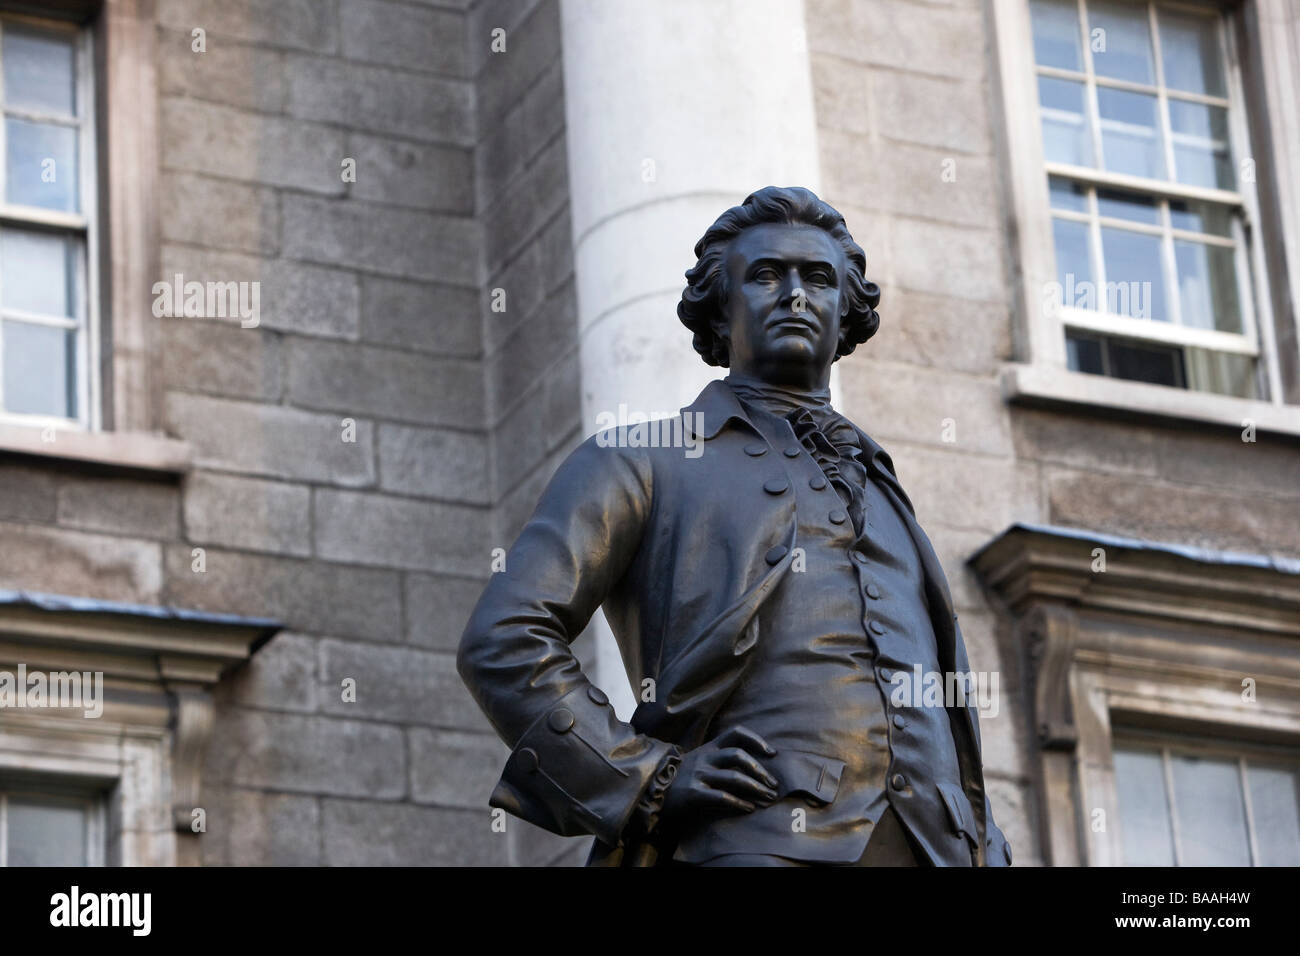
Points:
x=767 y=274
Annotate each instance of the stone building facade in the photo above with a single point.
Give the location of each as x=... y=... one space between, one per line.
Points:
x=465 y=225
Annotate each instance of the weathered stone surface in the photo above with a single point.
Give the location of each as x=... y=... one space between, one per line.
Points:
x=929 y=407
x=272 y=440
x=380 y=100
x=434 y=462
x=360 y=235
x=220 y=358
x=529 y=280
x=280 y=676
x=510 y=145
x=369 y=833
x=308 y=754
x=938 y=332
x=218 y=213
x=146 y=509
x=530 y=201
x=27 y=493
x=438 y=608
x=972 y=260
x=966 y=489
x=531 y=46
x=248 y=513
x=236 y=144
x=412 y=175
x=920 y=37
x=55 y=561
x=400 y=532
x=400 y=35
x=296 y=24
x=441 y=319
x=1226 y=519
x=293 y=296
x=396 y=684
x=311 y=596
x=382 y=382
x=453 y=769
x=236 y=74
x=254 y=828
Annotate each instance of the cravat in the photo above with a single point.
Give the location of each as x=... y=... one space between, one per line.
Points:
x=826 y=434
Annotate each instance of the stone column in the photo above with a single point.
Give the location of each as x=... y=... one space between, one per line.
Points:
x=675 y=111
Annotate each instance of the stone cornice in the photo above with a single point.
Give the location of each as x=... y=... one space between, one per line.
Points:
x=1031 y=564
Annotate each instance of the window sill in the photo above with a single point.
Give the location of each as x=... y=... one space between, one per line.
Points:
x=1054 y=387
x=112 y=451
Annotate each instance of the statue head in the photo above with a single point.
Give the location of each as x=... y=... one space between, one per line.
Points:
x=779 y=289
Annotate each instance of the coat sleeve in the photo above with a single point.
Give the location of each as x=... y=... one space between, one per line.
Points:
x=574 y=767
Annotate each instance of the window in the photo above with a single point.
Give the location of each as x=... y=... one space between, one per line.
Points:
x=1148 y=186
x=1190 y=803
x=50 y=827
x=48 y=348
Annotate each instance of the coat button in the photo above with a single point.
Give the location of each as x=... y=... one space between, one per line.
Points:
x=858 y=556
x=753 y=451
x=898 y=781
x=561 y=720
x=776 y=486
x=873 y=591
x=528 y=761
x=899 y=722
x=792 y=451
x=876 y=627
x=597 y=696
x=818 y=483
x=838 y=517
x=774 y=555
x=1006 y=852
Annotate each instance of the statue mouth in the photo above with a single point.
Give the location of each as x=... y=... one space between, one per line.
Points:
x=786 y=324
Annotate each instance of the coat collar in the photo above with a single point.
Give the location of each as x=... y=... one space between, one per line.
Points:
x=717 y=406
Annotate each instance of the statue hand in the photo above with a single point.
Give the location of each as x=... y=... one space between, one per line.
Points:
x=722 y=776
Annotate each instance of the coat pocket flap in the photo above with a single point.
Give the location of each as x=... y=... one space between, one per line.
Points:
x=959 y=811
x=812 y=775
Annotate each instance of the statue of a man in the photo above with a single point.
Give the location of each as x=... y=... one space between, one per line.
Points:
x=767 y=591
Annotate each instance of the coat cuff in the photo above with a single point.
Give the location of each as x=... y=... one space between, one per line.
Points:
x=578 y=769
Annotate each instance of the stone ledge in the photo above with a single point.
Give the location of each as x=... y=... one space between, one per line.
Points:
x=112 y=451
x=1056 y=388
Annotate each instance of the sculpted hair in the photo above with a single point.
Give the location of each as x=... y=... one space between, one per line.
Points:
x=706 y=282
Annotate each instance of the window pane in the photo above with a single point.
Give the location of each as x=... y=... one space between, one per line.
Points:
x=39 y=369
x=45 y=834
x=1083 y=355
x=39 y=73
x=1275 y=805
x=1132 y=206
x=1143 y=809
x=1211 y=815
x=1200 y=217
x=1200 y=135
x=1056 y=33
x=42 y=165
x=1207 y=286
x=1074 y=264
x=1130 y=135
x=1224 y=373
x=1155 y=364
x=1190 y=49
x=36 y=272
x=1067 y=194
x=1065 y=129
x=1126 y=41
x=1135 y=283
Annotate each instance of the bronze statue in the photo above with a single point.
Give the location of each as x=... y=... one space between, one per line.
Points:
x=767 y=594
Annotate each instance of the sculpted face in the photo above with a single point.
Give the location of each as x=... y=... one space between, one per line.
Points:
x=783 y=310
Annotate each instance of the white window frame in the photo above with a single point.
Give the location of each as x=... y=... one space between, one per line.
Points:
x=1244 y=755
x=1040 y=373
x=92 y=803
x=83 y=224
